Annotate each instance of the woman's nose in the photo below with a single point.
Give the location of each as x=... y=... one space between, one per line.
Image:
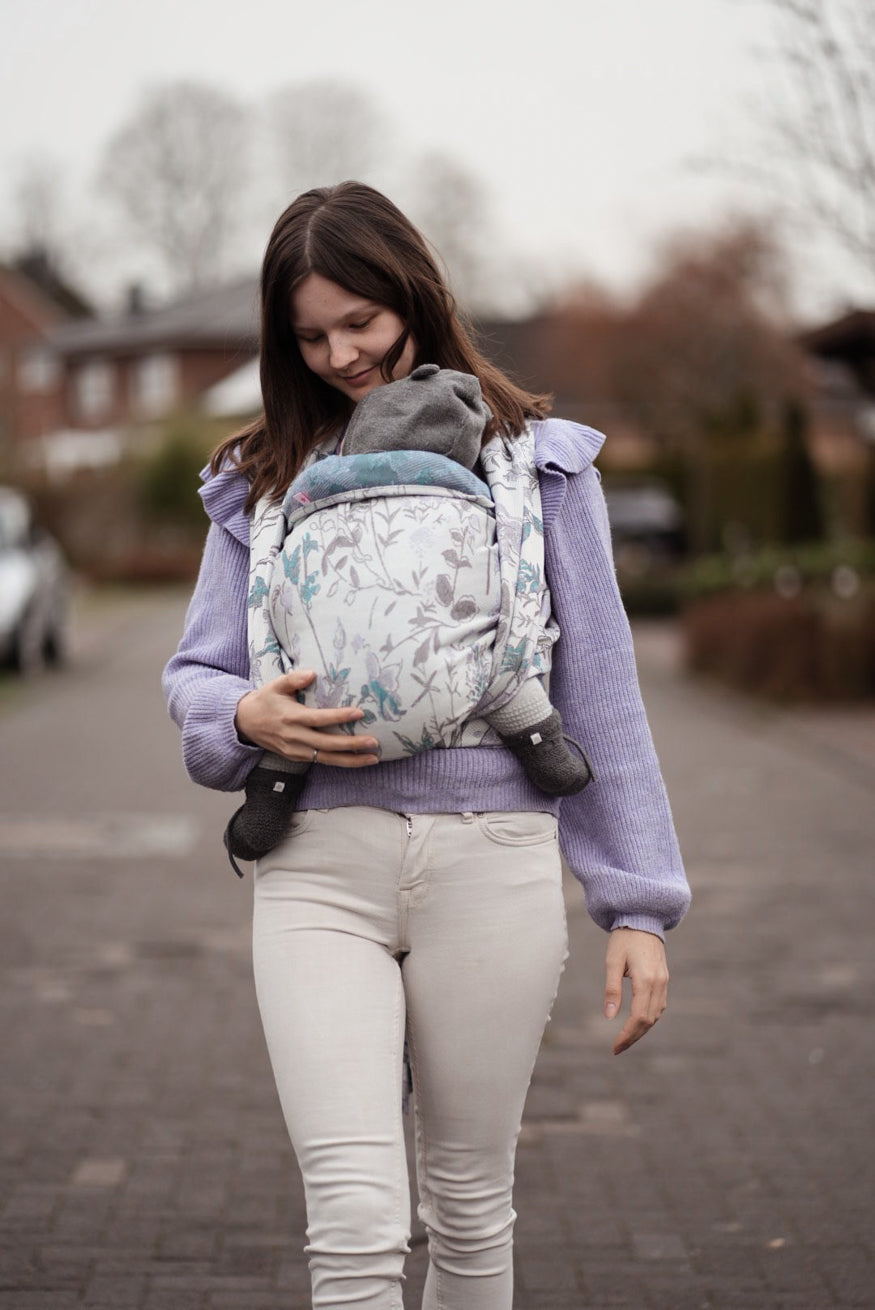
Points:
x=342 y=351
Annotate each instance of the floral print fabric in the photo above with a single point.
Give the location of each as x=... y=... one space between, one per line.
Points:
x=414 y=589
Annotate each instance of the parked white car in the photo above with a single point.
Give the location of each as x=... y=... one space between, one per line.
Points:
x=34 y=587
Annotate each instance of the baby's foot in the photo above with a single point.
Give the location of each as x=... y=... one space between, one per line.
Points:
x=262 y=820
x=544 y=753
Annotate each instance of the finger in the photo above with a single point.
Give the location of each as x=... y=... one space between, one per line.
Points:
x=313 y=718
x=633 y=1031
x=644 y=1013
x=306 y=747
x=659 y=1000
x=330 y=742
x=349 y=761
x=298 y=713
x=649 y=994
x=615 y=965
x=294 y=680
x=328 y=749
x=290 y=683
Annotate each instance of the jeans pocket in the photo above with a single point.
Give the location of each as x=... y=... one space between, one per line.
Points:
x=299 y=823
x=518 y=827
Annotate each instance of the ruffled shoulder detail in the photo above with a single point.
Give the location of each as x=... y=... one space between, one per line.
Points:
x=224 y=496
x=564 y=446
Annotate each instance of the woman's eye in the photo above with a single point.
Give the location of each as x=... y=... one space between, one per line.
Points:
x=359 y=326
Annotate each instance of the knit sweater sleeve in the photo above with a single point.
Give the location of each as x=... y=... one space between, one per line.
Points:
x=208 y=675
x=617 y=835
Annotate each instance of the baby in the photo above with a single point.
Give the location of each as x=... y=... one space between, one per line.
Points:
x=432 y=422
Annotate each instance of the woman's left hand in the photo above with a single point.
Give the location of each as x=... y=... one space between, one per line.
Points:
x=639 y=956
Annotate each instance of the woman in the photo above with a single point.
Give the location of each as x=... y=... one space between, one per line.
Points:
x=418 y=896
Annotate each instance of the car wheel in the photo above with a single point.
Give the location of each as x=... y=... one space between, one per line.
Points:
x=28 y=655
x=55 y=645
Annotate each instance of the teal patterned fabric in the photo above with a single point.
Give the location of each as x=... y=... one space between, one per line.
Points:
x=343 y=473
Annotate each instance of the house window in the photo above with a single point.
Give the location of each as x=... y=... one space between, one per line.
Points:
x=94 y=384
x=155 y=385
x=38 y=370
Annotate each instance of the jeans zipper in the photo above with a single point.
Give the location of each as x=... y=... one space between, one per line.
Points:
x=409 y=823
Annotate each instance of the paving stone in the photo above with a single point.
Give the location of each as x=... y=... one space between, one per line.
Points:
x=99 y=1173
x=39 y=1300
x=252 y=1301
x=121 y=1290
x=658 y=1246
x=182 y=1300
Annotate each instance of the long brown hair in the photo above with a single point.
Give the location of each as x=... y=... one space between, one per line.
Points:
x=354 y=236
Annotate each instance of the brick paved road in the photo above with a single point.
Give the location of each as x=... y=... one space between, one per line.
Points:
x=725 y=1162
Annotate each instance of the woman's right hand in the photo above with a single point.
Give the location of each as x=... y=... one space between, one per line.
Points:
x=271 y=716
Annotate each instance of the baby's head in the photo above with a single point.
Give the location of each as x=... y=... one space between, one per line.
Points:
x=435 y=409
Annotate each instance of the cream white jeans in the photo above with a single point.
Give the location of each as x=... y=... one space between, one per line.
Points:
x=453 y=927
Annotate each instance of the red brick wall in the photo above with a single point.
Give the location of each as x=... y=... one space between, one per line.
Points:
x=201 y=369
x=26 y=318
x=197 y=371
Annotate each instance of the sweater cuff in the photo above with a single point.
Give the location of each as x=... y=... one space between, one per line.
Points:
x=641 y=923
x=213 y=754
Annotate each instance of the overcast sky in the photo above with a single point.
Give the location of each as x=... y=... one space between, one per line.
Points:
x=580 y=117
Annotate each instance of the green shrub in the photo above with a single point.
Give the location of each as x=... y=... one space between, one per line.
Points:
x=168 y=479
x=802 y=518
x=650 y=597
x=791 y=623
x=811 y=563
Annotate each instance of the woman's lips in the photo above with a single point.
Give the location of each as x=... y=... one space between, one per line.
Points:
x=359 y=379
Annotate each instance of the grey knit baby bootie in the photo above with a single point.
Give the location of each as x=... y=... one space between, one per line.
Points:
x=544 y=754
x=262 y=819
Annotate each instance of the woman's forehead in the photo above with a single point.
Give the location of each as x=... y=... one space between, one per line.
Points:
x=317 y=300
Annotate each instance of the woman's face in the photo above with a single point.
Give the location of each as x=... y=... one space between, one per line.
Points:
x=344 y=337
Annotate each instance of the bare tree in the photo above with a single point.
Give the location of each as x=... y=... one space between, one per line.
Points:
x=450 y=206
x=325 y=132
x=40 y=202
x=176 y=170
x=708 y=328
x=50 y=236
x=820 y=127
x=703 y=357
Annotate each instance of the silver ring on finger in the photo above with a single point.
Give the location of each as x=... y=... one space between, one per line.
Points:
x=315 y=757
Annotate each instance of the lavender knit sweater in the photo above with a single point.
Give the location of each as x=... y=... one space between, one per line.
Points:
x=616 y=835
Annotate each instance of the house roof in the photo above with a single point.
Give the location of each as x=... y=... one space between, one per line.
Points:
x=851 y=340
x=31 y=302
x=851 y=335
x=226 y=316
x=40 y=271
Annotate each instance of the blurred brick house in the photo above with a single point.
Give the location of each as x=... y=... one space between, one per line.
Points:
x=850 y=340
x=64 y=375
x=842 y=370
x=34 y=304
x=143 y=364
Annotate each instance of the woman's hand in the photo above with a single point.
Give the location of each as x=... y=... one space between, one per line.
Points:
x=273 y=717
x=639 y=956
